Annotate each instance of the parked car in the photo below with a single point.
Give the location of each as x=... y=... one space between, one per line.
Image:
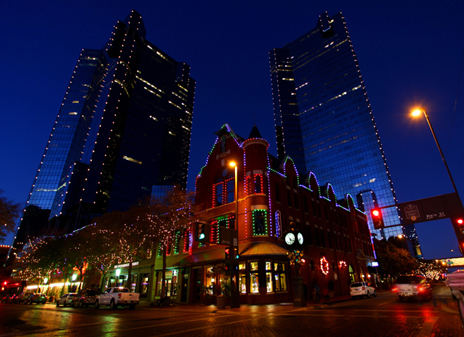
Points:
x=85 y=297
x=117 y=296
x=10 y=298
x=412 y=286
x=37 y=298
x=65 y=300
x=360 y=289
x=24 y=297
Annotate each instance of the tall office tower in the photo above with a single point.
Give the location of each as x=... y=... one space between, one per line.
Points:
x=123 y=130
x=324 y=121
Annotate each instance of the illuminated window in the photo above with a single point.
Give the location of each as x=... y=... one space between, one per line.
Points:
x=280 y=277
x=269 y=286
x=254 y=278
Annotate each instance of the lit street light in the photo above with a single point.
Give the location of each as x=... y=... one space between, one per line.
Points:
x=417 y=112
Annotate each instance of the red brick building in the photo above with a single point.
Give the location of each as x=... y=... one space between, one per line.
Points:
x=271 y=195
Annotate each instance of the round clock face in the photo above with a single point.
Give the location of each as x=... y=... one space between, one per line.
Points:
x=300 y=238
x=289 y=239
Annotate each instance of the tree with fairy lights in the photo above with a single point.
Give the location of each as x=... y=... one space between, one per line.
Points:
x=169 y=215
x=431 y=270
x=127 y=234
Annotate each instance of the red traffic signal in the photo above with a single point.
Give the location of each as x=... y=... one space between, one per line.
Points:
x=459 y=224
x=377 y=219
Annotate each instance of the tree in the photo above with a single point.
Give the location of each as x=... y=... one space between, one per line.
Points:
x=9 y=212
x=393 y=260
x=170 y=215
x=126 y=233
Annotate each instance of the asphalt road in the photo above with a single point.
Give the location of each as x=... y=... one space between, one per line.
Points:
x=381 y=316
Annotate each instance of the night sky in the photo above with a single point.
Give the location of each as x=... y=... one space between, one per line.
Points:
x=409 y=52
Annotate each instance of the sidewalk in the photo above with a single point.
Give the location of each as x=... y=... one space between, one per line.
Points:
x=246 y=307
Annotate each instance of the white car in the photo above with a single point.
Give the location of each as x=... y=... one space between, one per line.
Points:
x=360 y=289
x=65 y=300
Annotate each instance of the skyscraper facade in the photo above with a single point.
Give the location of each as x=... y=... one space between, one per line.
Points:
x=123 y=129
x=324 y=120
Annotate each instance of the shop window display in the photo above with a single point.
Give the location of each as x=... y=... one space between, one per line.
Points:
x=254 y=278
x=242 y=278
x=280 y=277
x=269 y=287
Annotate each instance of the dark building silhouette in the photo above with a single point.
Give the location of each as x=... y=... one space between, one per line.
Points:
x=123 y=129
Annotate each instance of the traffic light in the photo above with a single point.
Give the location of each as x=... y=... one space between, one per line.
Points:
x=460 y=224
x=235 y=255
x=377 y=218
x=231 y=267
x=227 y=253
x=202 y=232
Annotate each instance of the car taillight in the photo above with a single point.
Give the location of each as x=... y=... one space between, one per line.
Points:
x=119 y=295
x=420 y=289
x=395 y=289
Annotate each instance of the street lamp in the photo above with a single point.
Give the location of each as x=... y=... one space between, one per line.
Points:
x=235 y=295
x=417 y=112
x=234 y=164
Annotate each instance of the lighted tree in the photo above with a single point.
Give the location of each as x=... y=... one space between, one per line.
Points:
x=126 y=233
x=169 y=215
x=431 y=270
x=9 y=212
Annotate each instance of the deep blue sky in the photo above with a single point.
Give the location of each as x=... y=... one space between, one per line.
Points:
x=409 y=52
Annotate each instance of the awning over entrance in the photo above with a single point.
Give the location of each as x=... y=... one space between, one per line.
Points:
x=261 y=248
x=203 y=256
x=247 y=249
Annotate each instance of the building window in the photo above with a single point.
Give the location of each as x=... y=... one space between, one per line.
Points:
x=230 y=190
x=218 y=194
x=254 y=278
x=214 y=234
x=223 y=144
x=259 y=183
x=278 y=196
x=242 y=278
x=259 y=222
x=249 y=185
x=289 y=198
x=224 y=187
x=280 y=277
x=269 y=287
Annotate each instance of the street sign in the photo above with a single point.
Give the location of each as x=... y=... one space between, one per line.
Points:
x=430 y=209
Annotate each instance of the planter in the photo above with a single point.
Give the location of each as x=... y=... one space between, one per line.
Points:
x=221 y=302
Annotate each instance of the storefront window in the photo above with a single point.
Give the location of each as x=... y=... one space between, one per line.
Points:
x=280 y=277
x=211 y=282
x=254 y=278
x=144 y=285
x=269 y=287
x=242 y=278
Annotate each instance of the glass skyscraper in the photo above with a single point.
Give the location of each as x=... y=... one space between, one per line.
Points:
x=324 y=120
x=123 y=130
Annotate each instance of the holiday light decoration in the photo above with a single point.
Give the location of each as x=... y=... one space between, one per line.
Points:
x=296 y=257
x=324 y=265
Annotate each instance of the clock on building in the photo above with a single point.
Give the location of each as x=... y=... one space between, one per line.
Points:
x=290 y=238
x=300 y=238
